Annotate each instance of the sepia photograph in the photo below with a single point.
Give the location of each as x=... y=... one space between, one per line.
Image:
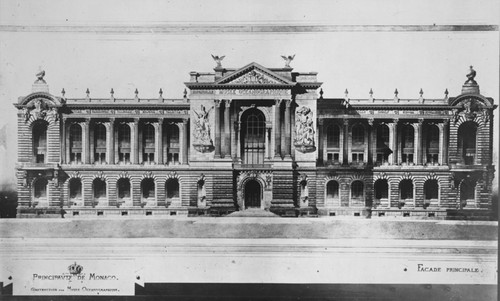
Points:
x=249 y=150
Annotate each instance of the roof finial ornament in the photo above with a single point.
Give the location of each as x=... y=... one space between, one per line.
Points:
x=39 y=76
x=288 y=60
x=371 y=95
x=346 y=93
x=421 y=92
x=88 y=93
x=63 y=92
x=185 y=93
x=470 y=76
x=446 y=93
x=160 y=92
x=218 y=60
x=112 y=92
x=321 y=93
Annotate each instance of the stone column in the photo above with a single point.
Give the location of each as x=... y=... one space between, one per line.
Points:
x=443 y=147
x=65 y=142
x=370 y=141
x=320 y=141
x=185 y=138
x=345 y=140
x=135 y=141
x=269 y=128
x=227 y=130
x=111 y=142
x=277 y=129
x=237 y=127
x=86 y=140
x=393 y=141
x=374 y=142
x=217 y=135
x=288 y=134
x=417 y=145
x=159 y=141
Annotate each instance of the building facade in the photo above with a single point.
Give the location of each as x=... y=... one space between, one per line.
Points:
x=255 y=137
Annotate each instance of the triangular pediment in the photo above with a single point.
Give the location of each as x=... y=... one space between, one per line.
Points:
x=253 y=74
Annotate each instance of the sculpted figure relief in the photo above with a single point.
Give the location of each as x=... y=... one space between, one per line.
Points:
x=202 y=127
x=304 y=129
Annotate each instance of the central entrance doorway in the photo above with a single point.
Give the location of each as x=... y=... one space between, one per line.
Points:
x=252 y=194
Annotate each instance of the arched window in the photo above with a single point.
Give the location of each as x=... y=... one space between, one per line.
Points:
x=75 y=189
x=407 y=143
x=75 y=144
x=431 y=189
x=383 y=148
x=148 y=188
x=406 y=189
x=333 y=143
x=467 y=142
x=432 y=144
x=253 y=137
x=123 y=186
x=172 y=144
x=381 y=189
x=148 y=143
x=40 y=188
x=99 y=143
x=358 y=143
x=172 y=188
x=124 y=143
x=39 y=134
x=357 y=190
x=332 y=190
x=99 y=188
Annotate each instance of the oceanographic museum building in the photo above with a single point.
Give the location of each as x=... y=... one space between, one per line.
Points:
x=255 y=138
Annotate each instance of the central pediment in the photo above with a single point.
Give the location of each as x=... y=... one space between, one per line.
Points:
x=253 y=74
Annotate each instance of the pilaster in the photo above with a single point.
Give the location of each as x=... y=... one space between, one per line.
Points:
x=111 y=142
x=277 y=129
x=217 y=142
x=184 y=144
x=288 y=137
x=345 y=143
x=135 y=141
x=227 y=130
x=417 y=141
x=86 y=140
x=159 y=141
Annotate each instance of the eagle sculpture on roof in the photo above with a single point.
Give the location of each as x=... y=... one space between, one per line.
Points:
x=288 y=59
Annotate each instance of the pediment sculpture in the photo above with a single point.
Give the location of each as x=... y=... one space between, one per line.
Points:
x=471 y=109
x=36 y=108
x=254 y=77
x=304 y=130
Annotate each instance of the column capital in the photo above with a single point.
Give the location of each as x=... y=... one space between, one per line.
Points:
x=420 y=121
x=371 y=121
x=277 y=101
x=345 y=121
x=112 y=119
x=321 y=121
x=446 y=121
x=86 y=120
x=185 y=121
x=136 y=120
x=217 y=102
x=160 y=121
x=228 y=102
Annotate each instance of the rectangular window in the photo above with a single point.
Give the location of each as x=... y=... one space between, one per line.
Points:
x=358 y=157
